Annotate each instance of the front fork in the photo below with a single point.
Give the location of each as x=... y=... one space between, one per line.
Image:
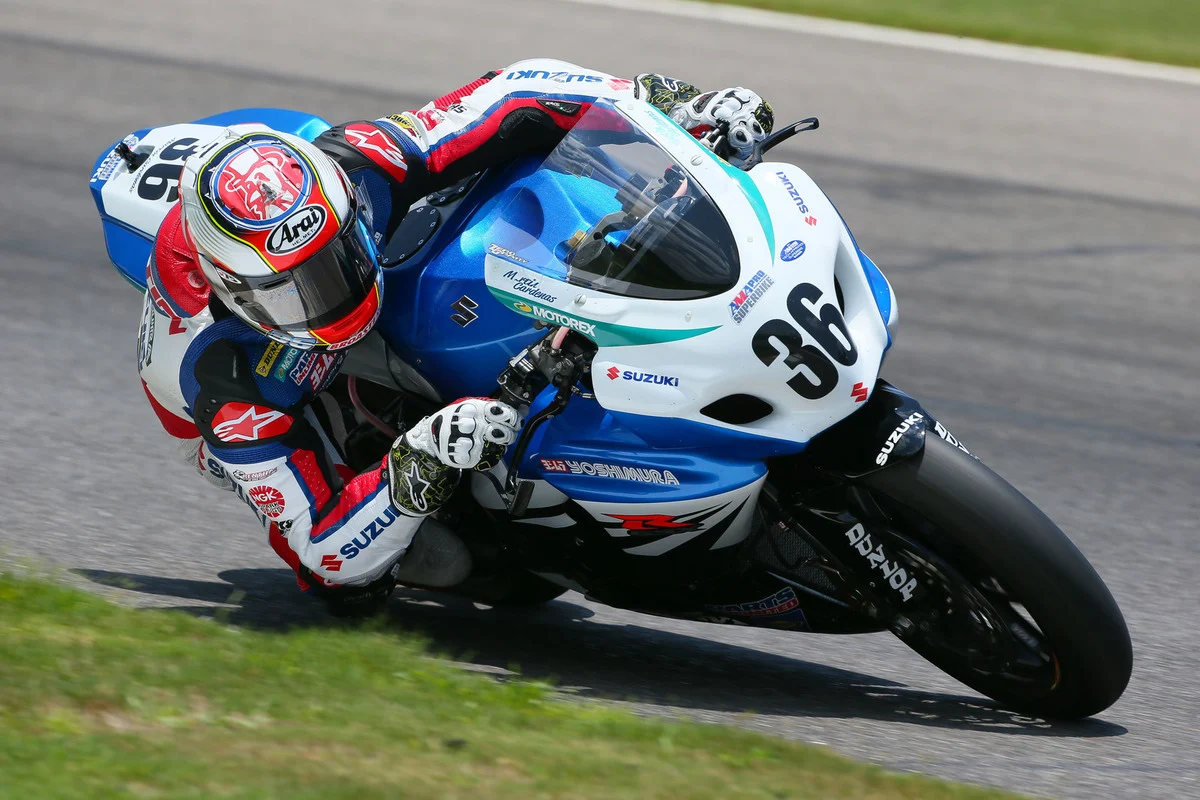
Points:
x=818 y=496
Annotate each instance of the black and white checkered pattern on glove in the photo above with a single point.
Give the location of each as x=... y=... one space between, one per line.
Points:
x=469 y=434
x=748 y=116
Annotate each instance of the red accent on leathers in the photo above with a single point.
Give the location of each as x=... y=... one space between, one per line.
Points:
x=179 y=275
x=279 y=544
x=176 y=426
x=447 y=100
x=353 y=493
x=445 y=154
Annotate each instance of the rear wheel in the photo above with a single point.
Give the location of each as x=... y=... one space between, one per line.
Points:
x=1012 y=608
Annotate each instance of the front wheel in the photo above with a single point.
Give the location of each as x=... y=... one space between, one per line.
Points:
x=1016 y=611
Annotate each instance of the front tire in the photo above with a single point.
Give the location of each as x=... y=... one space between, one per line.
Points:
x=1014 y=557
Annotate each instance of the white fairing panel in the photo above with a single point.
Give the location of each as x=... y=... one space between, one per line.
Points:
x=791 y=242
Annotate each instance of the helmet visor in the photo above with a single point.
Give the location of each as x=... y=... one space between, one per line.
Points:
x=324 y=289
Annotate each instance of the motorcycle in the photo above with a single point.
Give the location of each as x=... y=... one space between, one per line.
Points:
x=697 y=347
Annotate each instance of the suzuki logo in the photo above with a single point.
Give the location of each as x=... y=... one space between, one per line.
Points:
x=859 y=392
x=613 y=373
x=811 y=220
x=465 y=307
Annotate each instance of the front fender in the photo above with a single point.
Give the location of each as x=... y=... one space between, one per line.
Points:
x=890 y=427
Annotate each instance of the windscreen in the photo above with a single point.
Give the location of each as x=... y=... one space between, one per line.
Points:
x=623 y=216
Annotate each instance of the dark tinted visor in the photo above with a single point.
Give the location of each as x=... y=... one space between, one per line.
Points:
x=321 y=291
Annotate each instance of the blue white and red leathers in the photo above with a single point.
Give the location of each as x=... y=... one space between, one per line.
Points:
x=251 y=414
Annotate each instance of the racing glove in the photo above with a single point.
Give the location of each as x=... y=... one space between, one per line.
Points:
x=749 y=117
x=426 y=461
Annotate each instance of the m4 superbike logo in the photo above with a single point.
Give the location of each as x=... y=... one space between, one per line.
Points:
x=896 y=575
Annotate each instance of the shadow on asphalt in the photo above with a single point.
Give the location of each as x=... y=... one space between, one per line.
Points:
x=607 y=661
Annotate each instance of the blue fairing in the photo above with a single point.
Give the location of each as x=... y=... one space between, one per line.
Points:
x=306 y=126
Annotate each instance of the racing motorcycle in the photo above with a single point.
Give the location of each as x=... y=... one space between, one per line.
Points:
x=697 y=347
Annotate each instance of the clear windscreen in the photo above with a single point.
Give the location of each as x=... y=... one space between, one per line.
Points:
x=621 y=215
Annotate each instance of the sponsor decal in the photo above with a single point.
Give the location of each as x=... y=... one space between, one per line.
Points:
x=560 y=77
x=378 y=147
x=331 y=563
x=895 y=437
x=268 y=359
x=373 y=531
x=296 y=231
x=164 y=308
x=254 y=476
x=529 y=286
x=810 y=219
x=430 y=118
x=145 y=344
x=523 y=307
x=323 y=370
x=782 y=602
x=268 y=499
x=897 y=576
x=859 y=392
x=750 y=294
x=243 y=422
x=286 y=363
x=641 y=377
x=795 y=195
x=504 y=252
x=792 y=250
x=620 y=84
x=464 y=308
x=405 y=124
x=109 y=165
x=560 y=106
x=560 y=319
x=941 y=431
x=259 y=182
x=601 y=470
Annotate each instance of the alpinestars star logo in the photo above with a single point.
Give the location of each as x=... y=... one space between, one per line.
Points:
x=242 y=422
x=416 y=486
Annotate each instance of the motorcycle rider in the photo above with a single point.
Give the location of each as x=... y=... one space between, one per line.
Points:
x=268 y=268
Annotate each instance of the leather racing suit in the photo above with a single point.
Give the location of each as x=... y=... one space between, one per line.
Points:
x=253 y=416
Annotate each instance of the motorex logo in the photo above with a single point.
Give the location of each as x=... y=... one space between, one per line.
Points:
x=563 y=321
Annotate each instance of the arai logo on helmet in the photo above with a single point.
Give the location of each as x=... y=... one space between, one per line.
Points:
x=296 y=231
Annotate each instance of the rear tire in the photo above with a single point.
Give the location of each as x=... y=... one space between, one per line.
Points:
x=974 y=520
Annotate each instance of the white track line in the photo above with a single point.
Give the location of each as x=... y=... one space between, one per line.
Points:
x=861 y=32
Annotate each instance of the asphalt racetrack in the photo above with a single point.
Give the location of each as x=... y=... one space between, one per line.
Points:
x=1041 y=227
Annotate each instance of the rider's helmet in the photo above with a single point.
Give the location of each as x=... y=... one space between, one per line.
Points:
x=283 y=238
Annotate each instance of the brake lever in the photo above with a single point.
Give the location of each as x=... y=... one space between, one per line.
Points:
x=778 y=136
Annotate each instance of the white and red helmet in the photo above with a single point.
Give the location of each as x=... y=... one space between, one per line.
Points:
x=283 y=238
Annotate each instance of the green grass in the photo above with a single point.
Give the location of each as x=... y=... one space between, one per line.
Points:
x=99 y=701
x=1150 y=30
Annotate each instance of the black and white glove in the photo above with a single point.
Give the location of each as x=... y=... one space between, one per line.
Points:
x=748 y=116
x=425 y=462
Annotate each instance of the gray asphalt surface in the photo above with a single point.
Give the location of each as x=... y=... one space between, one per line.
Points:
x=1040 y=227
